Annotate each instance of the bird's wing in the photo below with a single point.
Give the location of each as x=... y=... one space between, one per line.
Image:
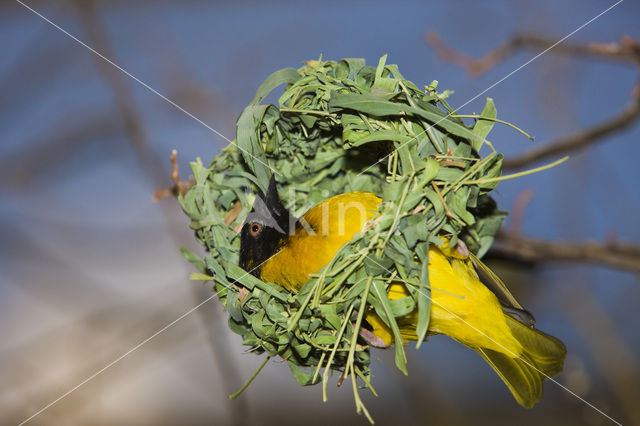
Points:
x=495 y=284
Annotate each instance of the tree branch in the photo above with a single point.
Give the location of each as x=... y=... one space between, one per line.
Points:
x=626 y=51
x=122 y=96
x=179 y=187
x=154 y=171
x=579 y=140
x=516 y=247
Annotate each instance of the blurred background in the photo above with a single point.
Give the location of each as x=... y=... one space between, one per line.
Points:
x=90 y=266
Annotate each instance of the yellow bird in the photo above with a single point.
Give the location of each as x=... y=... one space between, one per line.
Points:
x=278 y=248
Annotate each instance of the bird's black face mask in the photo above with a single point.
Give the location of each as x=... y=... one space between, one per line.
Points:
x=265 y=230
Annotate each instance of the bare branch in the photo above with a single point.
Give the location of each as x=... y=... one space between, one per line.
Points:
x=179 y=187
x=122 y=96
x=517 y=247
x=152 y=167
x=579 y=140
x=626 y=51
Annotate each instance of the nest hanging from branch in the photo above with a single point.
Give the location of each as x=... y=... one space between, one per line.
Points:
x=339 y=127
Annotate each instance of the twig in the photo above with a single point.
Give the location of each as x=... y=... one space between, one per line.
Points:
x=626 y=51
x=444 y=203
x=513 y=246
x=253 y=376
x=579 y=140
x=179 y=187
x=233 y=214
x=151 y=165
x=122 y=96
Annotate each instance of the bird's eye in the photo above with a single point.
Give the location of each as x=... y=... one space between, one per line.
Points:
x=255 y=228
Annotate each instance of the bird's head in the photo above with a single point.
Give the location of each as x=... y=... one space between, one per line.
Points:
x=265 y=230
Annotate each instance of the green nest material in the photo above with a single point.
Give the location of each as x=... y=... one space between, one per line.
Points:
x=339 y=127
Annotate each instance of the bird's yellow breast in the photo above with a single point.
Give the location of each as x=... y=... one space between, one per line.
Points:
x=317 y=238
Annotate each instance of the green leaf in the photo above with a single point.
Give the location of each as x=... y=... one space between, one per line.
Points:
x=416 y=230
x=237 y=327
x=355 y=290
x=375 y=265
x=392 y=191
x=401 y=307
x=430 y=172
x=324 y=338
x=457 y=203
x=365 y=103
x=234 y=306
x=329 y=312
x=302 y=349
x=200 y=277
x=193 y=258
x=216 y=268
x=286 y=75
x=435 y=202
x=412 y=200
x=380 y=68
x=483 y=127
x=385 y=312
x=494 y=170
x=449 y=174
x=382 y=82
x=382 y=135
x=370 y=104
x=424 y=302
x=250 y=144
x=238 y=274
x=348 y=68
x=304 y=378
x=200 y=173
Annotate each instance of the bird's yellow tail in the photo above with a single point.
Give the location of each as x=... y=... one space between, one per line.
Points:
x=463 y=308
x=542 y=357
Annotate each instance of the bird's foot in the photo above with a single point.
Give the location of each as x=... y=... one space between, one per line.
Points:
x=372 y=339
x=462 y=248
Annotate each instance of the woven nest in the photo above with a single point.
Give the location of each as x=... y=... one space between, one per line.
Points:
x=338 y=127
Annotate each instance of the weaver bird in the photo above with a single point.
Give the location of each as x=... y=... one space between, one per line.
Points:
x=278 y=248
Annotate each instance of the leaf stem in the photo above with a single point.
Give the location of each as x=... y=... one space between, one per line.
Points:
x=308 y=111
x=480 y=117
x=253 y=376
x=516 y=175
x=327 y=367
